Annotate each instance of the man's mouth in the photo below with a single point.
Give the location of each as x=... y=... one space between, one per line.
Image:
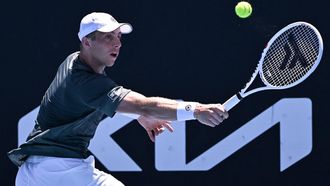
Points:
x=114 y=54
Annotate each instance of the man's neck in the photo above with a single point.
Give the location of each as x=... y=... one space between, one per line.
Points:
x=89 y=61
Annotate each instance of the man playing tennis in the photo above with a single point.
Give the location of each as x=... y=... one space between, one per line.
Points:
x=80 y=96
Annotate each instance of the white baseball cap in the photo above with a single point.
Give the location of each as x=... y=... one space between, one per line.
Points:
x=102 y=22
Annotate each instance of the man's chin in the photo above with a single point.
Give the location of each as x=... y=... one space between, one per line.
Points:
x=110 y=63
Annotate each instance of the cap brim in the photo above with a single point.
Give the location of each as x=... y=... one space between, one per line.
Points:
x=125 y=28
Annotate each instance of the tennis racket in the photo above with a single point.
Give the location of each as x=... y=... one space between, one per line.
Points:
x=290 y=56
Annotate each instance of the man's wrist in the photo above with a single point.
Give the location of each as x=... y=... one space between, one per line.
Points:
x=196 y=111
x=186 y=111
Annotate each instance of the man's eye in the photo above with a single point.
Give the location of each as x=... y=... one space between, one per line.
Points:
x=109 y=37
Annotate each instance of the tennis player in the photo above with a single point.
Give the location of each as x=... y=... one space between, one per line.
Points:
x=80 y=96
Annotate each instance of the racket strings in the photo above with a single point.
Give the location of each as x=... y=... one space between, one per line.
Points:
x=291 y=56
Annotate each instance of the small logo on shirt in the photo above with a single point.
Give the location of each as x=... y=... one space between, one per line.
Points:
x=115 y=93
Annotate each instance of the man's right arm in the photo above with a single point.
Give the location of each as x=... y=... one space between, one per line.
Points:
x=171 y=110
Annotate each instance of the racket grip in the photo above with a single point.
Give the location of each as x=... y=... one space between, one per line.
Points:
x=231 y=102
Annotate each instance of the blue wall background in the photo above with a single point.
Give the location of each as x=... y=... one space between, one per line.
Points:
x=191 y=50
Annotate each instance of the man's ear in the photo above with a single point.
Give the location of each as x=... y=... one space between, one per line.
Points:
x=86 y=42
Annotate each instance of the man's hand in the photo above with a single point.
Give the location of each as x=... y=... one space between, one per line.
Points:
x=154 y=127
x=210 y=114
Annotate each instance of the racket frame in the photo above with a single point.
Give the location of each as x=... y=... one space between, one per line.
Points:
x=235 y=99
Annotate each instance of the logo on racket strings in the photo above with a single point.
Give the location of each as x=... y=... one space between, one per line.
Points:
x=293 y=54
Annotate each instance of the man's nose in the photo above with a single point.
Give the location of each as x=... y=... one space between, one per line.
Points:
x=117 y=43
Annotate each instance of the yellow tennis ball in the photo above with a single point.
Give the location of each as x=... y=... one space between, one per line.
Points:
x=243 y=9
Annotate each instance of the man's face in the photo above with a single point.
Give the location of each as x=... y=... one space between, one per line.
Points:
x=105 y=48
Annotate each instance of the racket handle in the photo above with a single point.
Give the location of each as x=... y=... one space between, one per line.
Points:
x=231 y=102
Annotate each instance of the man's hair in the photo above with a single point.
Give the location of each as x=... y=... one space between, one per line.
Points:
x=91 y=35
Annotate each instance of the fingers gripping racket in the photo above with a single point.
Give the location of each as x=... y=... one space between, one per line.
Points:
x=290 y=56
